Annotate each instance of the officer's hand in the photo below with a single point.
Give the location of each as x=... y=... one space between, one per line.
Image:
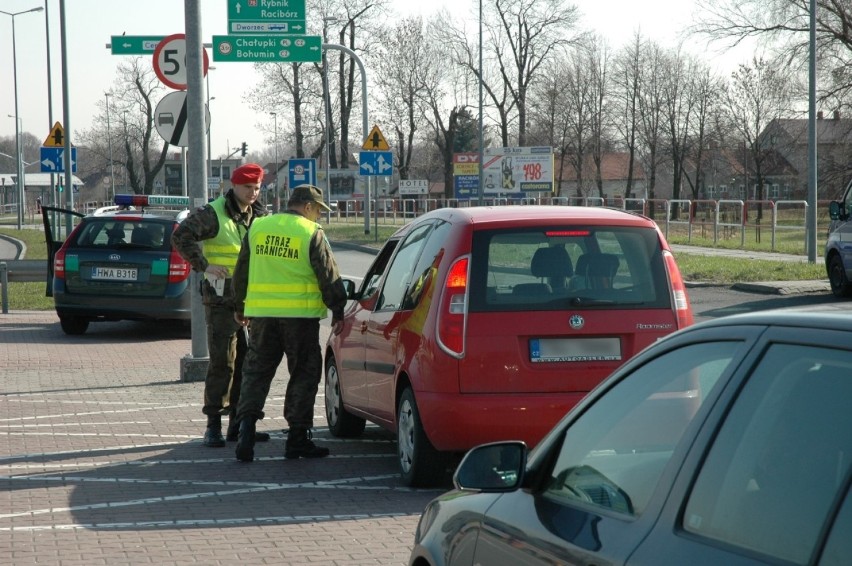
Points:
x=219 y=271
x=336 y=326
x=241 y=319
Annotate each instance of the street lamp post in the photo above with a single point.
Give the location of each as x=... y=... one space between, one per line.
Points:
x=277 y=205
x=19 y=166
x=327 y=101
x=109 y=142
x=126 y=153
x=209 y=98
x=18 y=149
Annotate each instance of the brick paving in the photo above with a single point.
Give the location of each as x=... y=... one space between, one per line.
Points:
x=101 y=463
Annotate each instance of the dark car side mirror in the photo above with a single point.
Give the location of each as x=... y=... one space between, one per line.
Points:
x=835 y=210
x=492 y=467
x=349 y=285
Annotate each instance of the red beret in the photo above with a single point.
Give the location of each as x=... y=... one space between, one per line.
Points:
x=247 y=174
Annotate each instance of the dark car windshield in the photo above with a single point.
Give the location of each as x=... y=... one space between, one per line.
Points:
x=111 y=232
x=553 y=268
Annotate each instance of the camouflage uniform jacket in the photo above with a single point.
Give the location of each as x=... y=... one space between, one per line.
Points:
x=322 y=262
x=203 y=224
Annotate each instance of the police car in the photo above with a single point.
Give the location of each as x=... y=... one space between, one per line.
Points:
x=119 y=264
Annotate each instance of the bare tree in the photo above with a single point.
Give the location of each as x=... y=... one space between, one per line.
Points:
x=706 y=94
x=410 y=63
x=651 y=105
x=297 y=89
x=532 y=31
x=597 y=55
x=135 y=94
x=784 y=26
x=758 y=93
x=626 y=88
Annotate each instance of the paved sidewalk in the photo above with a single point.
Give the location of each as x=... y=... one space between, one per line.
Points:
x=101 y=462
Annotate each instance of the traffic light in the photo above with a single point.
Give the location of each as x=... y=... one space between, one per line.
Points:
x=243 y=149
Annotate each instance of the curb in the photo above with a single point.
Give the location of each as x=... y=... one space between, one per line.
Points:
x=785 y=287
x=19 y=246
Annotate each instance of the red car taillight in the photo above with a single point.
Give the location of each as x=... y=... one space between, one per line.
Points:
x=681 y=302
x=452 y=315
x=178 y=268
x=59 y=262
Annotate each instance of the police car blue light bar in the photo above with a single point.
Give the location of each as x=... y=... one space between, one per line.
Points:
x=151 y=200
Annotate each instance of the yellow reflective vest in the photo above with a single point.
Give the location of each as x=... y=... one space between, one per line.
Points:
x=281 y=281
x=225 y=247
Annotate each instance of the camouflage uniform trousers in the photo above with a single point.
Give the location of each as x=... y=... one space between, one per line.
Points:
x=226 y=344
x=271 y=340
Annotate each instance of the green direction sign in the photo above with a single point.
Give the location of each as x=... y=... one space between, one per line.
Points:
x=266 y=10
x=134 y=44
x=267 y=48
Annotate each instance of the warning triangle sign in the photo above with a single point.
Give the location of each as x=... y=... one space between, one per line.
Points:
x=375 y=141
x=56 y=137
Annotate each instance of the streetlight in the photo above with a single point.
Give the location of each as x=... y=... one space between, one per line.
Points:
x=277 y=204
x=209 y=98
x=19 y=163
x=126 y=152
x=109 y=141
x=17 y=118
x=327 y=100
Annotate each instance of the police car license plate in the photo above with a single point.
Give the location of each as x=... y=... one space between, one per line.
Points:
x=114 y=273
x=575 y=349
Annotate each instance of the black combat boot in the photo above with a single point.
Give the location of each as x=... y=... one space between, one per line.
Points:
x=299 y=445
x=234 y=430
x=213 y=435
x=245 y=443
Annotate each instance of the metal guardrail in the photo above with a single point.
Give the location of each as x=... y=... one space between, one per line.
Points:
x=19 y=270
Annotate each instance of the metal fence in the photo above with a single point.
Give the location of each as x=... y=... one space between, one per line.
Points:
x=764 y=224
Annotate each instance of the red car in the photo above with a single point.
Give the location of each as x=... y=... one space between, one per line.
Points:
x=482 y=324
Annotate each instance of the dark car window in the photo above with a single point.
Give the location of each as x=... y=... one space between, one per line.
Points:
x=782 y=456
x=613 y=455
x=374 y=275
x=555 y=267
x=401 y=269
x=427 y=265
x=108 y=232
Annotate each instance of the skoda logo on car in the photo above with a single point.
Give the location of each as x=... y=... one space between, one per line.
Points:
x=576 y=321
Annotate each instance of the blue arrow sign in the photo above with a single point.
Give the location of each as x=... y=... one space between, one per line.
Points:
x=301 y=172
x=375 y=163
x=52 y=159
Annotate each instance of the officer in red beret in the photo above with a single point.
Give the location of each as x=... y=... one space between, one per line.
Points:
x=209 y=239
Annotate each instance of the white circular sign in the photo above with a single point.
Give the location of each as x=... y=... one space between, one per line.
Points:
x=170 y=119
x=170 y=61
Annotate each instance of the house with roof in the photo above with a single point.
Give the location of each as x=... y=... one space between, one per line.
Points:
x=614 y=169
x=789 y=137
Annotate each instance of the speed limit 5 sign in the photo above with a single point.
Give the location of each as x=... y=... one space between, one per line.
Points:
x=170 y=61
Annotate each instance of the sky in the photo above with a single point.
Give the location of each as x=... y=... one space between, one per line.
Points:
x=91 y=66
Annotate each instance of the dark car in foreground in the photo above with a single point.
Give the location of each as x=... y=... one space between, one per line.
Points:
x=118 y=264
x=729 y=442
x=486 y=323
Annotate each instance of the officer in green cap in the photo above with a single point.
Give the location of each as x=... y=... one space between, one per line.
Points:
x=286 y=279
